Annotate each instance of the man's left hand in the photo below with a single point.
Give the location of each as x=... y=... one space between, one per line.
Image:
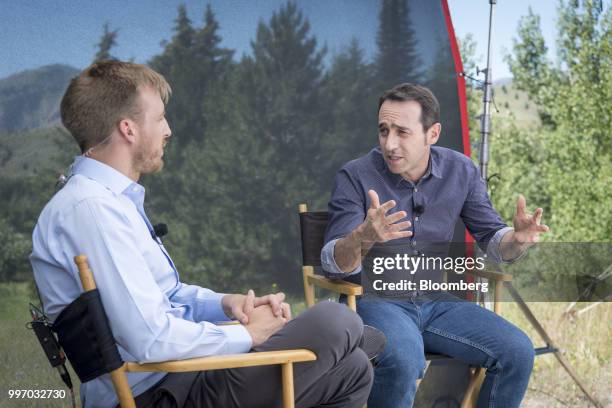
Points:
x=239 y=307
x=527 y=227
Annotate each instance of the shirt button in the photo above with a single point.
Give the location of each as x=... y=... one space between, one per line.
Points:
x=416 y=218
x=416 y=189
x=413 y=243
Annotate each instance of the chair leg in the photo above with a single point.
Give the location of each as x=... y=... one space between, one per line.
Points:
x=473 y=390
x=352 y=302
x=309 y=290
x=122 y=388
x=288 y=395
x=418 y=381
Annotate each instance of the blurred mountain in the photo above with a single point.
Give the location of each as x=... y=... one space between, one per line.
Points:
x=30 y=99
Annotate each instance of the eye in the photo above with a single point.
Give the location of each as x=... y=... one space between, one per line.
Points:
x=404 y=132
x=383 y=131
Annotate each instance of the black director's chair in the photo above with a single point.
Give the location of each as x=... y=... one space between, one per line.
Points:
x=312 y=227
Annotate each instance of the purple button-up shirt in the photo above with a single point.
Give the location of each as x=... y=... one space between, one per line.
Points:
x=451 y=189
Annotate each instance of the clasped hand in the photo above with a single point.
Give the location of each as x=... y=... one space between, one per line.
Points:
x=261 y=316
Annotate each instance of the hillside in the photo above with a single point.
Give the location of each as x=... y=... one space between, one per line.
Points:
x=30 y=99
x=31 y=151
x=512 y=102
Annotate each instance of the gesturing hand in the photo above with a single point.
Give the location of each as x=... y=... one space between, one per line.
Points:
x=380 y=227
x=527 y=227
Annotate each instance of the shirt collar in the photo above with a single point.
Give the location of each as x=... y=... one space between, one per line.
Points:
x=433 y=167
x=104 y=174
x=434 y=163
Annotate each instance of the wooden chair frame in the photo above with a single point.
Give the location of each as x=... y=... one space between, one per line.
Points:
x=352 y=290
x=285 y=358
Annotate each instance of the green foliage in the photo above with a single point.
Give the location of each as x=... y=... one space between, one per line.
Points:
x=260 y=123
x=573 y=169
x=254 y=138
x=467 y=49
x=13 y=253
x=276 y=129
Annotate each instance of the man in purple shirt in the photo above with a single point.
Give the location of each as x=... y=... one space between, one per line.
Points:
x=411 y=193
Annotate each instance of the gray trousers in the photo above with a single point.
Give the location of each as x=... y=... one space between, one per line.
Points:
x=341 y=377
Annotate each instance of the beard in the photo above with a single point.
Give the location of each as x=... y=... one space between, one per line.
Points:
x=148 y=159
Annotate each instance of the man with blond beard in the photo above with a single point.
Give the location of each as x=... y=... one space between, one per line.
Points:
x=116 y=113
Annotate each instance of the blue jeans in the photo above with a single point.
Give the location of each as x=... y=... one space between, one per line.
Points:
x=459 y=329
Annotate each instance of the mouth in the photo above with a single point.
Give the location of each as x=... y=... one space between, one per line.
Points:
x=393 y=158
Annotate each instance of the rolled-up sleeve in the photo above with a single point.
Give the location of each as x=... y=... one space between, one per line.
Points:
x=346 y=213
x=494 y=248
x=329 y=265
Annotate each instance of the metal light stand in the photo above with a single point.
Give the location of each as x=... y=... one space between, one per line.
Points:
x=485 y=131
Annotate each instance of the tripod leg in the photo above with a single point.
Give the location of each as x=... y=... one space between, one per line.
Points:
x=538 y=327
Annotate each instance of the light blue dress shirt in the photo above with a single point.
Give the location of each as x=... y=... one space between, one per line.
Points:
x=153 y=316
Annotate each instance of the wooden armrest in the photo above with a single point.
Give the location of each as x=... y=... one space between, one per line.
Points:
x=345 y=288
x=226 y=361
x=497 y=276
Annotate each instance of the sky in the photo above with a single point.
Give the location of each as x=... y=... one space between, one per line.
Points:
x=34 y=33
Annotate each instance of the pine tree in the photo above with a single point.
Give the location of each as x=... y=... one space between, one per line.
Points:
x=176 y=64
x=193 y=62
x=351 y=98
x=107 y=42
x=398 y=58
x=280 y=143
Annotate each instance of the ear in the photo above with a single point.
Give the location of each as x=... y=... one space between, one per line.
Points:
x=127 y=129
x=433 y=133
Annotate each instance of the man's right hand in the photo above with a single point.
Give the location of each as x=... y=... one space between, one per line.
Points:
x=380 y=227
x=263 y=323
x=377 y=227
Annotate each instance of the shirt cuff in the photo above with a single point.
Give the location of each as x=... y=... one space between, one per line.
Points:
x=214 y=308
x=239 y=339
x=494 y=248
x=328 y=263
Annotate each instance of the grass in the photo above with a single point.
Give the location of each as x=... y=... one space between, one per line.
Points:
x=585 y=340
x=23 y=364
x=586 y=344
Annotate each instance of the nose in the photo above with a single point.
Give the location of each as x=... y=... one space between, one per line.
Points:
x=168 y=132
x=391 y=142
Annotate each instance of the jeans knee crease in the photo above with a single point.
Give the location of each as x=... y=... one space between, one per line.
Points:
x=460 y=340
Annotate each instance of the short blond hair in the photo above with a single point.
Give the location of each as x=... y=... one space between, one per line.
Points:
x=104 y=93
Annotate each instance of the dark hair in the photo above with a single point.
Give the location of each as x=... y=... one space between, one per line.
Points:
x=100 y=95
x=430 y=108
